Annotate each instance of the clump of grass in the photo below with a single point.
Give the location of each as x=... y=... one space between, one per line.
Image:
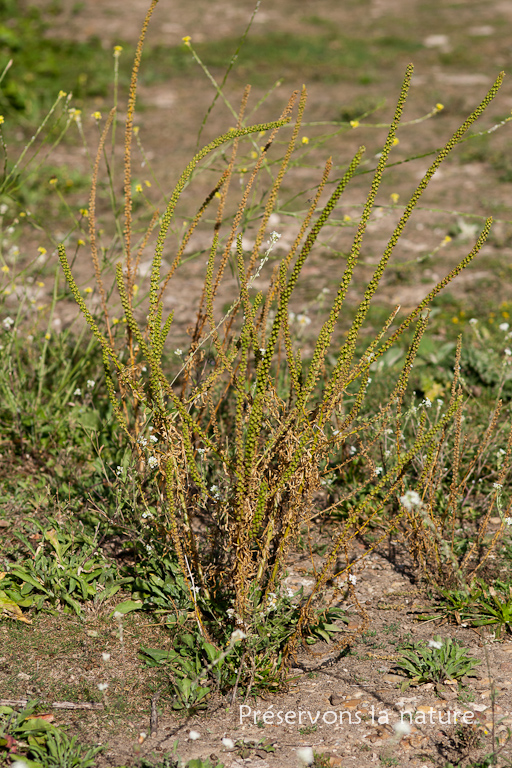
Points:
x=241 y=432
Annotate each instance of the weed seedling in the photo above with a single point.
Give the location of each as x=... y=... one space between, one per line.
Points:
x=440 y=660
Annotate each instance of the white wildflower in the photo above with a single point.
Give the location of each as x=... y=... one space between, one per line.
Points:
x=507 y=520
x=435 y=644
x=410 y=499
x=473 y=321
x=402 y=728
x=498 y=486
x=378 y=470
x=152 y=462
x=143 y=441
x=178 y=352
x=271 y=601
x=102 y=686
x=105 y=656
x=90 y=384
x=77 y=392
x=303 y=320
x=119 y=470
x=153 y=438
x=305 y=754
x=237 y=636
x=352 y=579
x=504 y=326
x=228 y=743
x=194 y=735
x=507 y=351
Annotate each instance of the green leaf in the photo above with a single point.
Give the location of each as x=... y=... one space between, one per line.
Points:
x=128 y=606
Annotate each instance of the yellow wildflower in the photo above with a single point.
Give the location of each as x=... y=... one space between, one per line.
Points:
x=84 y=212
x=54 y=180
x=455 y=320
x=2 y=119
x=96 y=115
x=447 y=239
x=347 y=217
x=62 y=94
x=5 y=268
x=135 y=290
x=117 y=50
x=254 y=155
x=80 y=242
x=147 y=183
x=41 y=250
x=396 y=141
x=88 y=290
x=40 y=284
x=305 y=139
x=186 y=39
x=394 y=197
x=47 y=336
x=439 y=106
x=506 y=315
x=138 y=187
x=354 y=123
x=115 y=321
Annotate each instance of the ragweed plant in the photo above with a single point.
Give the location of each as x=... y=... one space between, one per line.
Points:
x=240 y=436
x=461 y=476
